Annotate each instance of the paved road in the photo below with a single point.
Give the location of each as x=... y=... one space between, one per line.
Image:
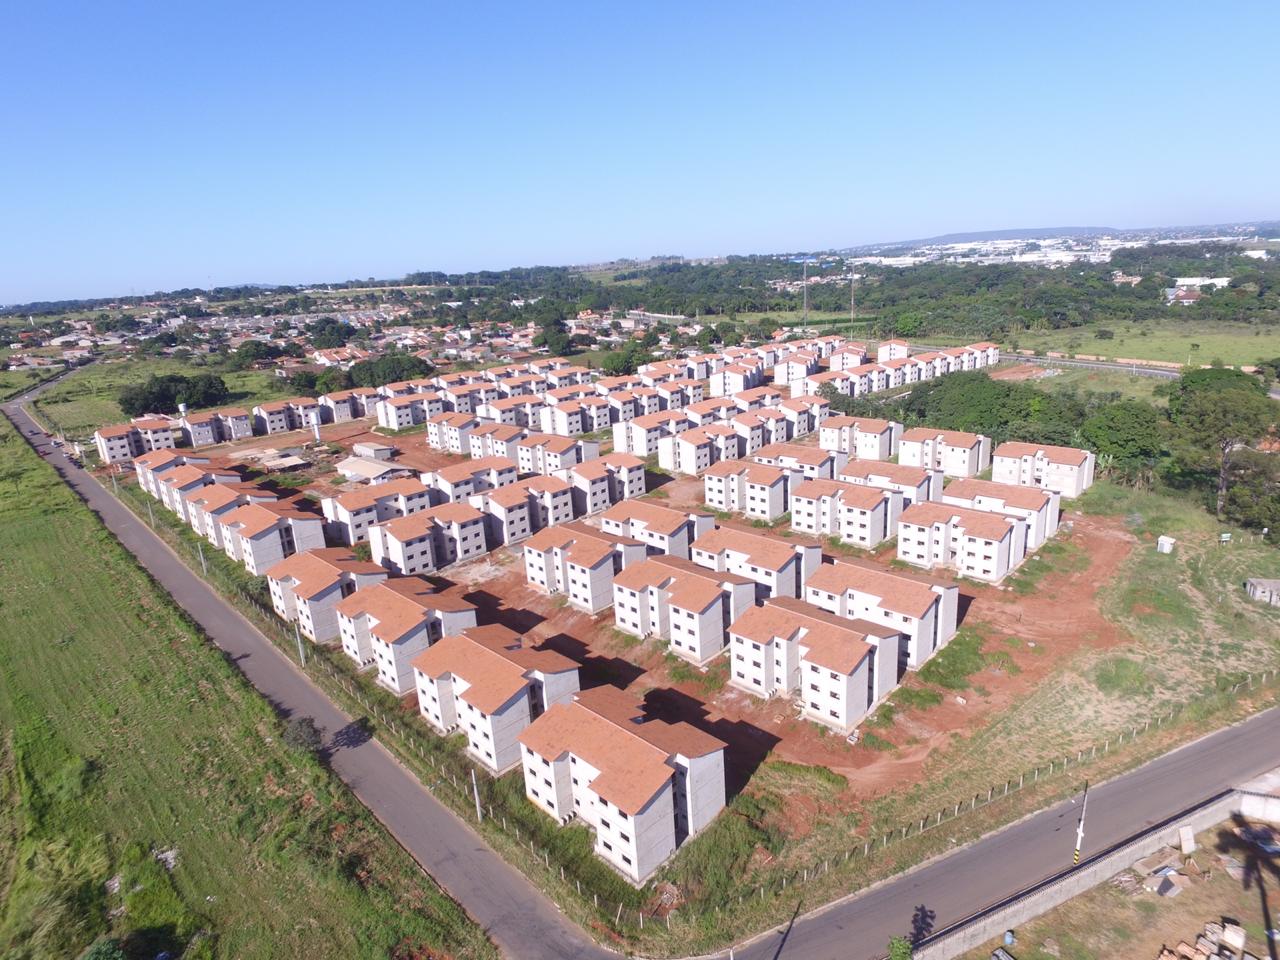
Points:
x=527 y=925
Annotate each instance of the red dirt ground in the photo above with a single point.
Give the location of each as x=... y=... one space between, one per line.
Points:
x=1062 y=617
x=1023 y=371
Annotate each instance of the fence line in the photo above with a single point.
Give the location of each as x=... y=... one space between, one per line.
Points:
x=452 y=770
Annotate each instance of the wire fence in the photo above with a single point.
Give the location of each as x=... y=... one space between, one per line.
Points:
x=588 y=889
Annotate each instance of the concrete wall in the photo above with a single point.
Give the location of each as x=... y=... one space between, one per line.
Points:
x=1019 y=909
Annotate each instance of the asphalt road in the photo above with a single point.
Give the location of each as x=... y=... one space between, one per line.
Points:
x=526 y=924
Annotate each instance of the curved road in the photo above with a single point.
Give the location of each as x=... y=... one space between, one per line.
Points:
x=525 y=924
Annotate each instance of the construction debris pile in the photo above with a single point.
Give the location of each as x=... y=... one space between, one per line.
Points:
x=1225 y=940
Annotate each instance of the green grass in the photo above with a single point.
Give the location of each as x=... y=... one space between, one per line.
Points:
x=953 y=665
x=1053 y=555
x=87 y=398
x=876 y=743
x=1120 y=675
x=14 y=382
x=916 y=698
x=1171 y=340
x=122 y=731
x=804 y=771
x=1083 y=381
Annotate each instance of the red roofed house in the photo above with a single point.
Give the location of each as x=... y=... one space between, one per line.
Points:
x=306 y=588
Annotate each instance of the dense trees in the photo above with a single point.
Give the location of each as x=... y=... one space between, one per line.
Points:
x=388 y=369
x=1216 y=422
x=327 y=333
x=163 y=394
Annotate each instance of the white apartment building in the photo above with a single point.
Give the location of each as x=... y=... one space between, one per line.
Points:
x=779 y=566
x=306 y=587
x=122 y=443
x=924 y=610
x=916 y=484
x=642 y=787
x=1040 y=507
x=429 y=539
x=1067 y=471
x=813 y=463
x=175 y=484
x=660 y=529
x=859 y=515
x=409 y=410
x=206 y=505
x=892 y=350
x=350 y=515
x=687 y=605
x=954 y=452
x=260 y=535
x=693 y=451
x=579 y=562
x=546 y=454
x=387 y=624
x=598 y=484
x=756 y=490
x=489 y=684
x=640 y=436
x=458 y=481
x=860 y=438
x=494 y=440
x=451 y=432
x=837 y=669
x=976 y=543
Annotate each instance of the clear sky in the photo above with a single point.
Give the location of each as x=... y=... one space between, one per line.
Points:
x=150 y=146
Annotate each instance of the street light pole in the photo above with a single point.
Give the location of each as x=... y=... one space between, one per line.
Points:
x=1084 y=806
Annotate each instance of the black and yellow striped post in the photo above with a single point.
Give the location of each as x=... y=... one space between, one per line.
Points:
x=1084 y=805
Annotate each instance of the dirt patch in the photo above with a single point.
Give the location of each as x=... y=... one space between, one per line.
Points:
x=1022 y=371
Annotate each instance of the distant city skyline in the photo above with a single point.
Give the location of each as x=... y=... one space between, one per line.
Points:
x=159 y=148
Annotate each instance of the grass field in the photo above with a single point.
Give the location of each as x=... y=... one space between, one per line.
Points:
x=86 y=399
x=1082 y=381
x=123 y=733
x=1177 y=341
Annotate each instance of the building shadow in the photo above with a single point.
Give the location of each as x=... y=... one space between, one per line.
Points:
x=748 y=745
x=493 y=609
x=595 y=670
x=655 y=481
x=963 y=602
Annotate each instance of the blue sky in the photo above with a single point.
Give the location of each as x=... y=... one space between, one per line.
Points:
x=153 y=146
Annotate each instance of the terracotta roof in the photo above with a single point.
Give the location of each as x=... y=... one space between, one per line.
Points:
x=548 y=441
x=315 y=571
x=976 y=523
x=954 y=438
x=851 y=494
x=254 y=518
x=1026 y=498
x=1070 y=456
x=893 y=472
x=690 y=587
x=457 y=472
x=216 y=495
x=767 y=552
x=832 y=642
x=900 y=593
x=661 y=418
x=658 y=519
x=366 y=497
x=398 y=605
x=189 y=473
x=119 y=430
x=454 y=419
x=154 y=459
x=813 y=456
x=863 y=424
x=492 y=660
x=153 y=424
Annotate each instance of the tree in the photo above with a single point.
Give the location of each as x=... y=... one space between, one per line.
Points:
x=899 y=949
x=301 y=733
x=332 y=379
x=1128 y=432
x=1217 y=422
x=105 y=950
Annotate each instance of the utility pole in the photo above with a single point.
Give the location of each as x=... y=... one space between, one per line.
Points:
x=203 y=566
x=150 y=514
x=297 y=635
x=1084 y=806
x=475 y=790
x=852 y=321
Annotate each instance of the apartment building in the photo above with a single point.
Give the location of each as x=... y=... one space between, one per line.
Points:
x=861 y=438
x=758 y=398
x=976 y=543
x=306 y=587
x=954 y=452
x=681 y=602
x=199 y=429
x=545 y=453
x=451 y=432
x=778 y=566
x=693 y=451
x=579 y=562
x=848 y=356
x=350 y=515
x=151 y=466
x=1039 y=507
x=490 y=684
x=859 y=515
x=458 y=481
x=260 y=535
x=205 y=505
x=640 y=435
x=804 y=414
x=756 y=490
x=661 y=529
x=735 y=378
x=514 y=512
x=813 y=463
x=598 y=484
x=1066 y=471
x=713 y=410
x=795 y=366
x=494 y=440
x=893 y=350
x=280 y=416
x=175 y=484
x=923 y=609
x=388 y=624
x=120 y=444
x=837 y=669
x=643 y=786
x=409 y=410
x=517 y=410
x=916 y=484
x=344 y=406
x=429 y=539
